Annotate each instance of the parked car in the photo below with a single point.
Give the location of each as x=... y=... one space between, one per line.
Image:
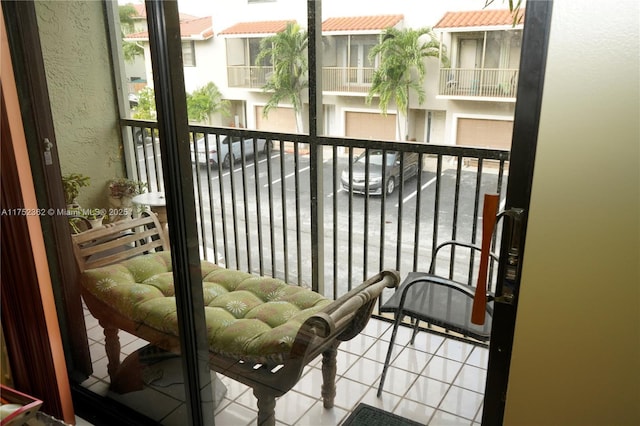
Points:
x=376 y=181
x=200 y=155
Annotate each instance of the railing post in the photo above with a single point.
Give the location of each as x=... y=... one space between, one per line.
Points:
x=314 y=15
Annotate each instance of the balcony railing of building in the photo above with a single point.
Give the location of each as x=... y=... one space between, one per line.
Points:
x=335 y=79
x=347 y=79
x=478 y=82
x=249 y=77
x=258 y=214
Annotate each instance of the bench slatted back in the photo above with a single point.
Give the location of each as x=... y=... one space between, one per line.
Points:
x=119 y=241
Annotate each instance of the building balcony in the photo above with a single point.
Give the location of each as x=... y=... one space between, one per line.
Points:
x=347 y=79
x=248 y=77
x=478 y=84
x=334 y=79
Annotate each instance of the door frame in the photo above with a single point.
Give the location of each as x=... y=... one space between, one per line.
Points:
x=535 y=40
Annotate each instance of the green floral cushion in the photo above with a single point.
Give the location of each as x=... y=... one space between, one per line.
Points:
x=248 y=317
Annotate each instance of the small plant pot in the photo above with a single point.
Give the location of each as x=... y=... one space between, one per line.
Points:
x=96 y=223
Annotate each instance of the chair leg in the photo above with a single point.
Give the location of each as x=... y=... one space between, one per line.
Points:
x=112 y=348
x=387 y=360
x=416 y=328
x=329 y=375
x=266 y=407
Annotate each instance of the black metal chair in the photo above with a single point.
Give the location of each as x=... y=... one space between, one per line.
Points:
x=443 y=302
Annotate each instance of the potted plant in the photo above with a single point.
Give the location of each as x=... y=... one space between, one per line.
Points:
x=121 y=191
x=71 y=184
x=95 y=217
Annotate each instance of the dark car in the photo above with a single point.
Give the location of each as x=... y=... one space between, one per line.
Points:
x=376 y=181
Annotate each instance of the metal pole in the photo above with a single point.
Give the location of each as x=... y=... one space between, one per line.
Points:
x=314 y=12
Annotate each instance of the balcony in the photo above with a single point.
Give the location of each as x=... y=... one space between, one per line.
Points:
x=248 y=77
x=334 y=79
x=478 y=84
x=258 y=215
x=347 y=79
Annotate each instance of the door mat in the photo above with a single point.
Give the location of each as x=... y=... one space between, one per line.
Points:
x=366 y=415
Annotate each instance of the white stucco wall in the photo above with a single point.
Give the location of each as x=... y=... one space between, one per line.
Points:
x=576 y=357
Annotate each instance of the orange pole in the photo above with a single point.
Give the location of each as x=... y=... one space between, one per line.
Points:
x=489 y=212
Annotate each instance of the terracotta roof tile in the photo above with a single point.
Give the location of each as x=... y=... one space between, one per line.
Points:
x=477 y=18
x=361 y=23
x=258 y=27
x=199 y=28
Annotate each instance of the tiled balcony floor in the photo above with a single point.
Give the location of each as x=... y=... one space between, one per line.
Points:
x=438 y=381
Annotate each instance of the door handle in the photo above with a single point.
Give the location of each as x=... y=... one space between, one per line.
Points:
x=512 y=265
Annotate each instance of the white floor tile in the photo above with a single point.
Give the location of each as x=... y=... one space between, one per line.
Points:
x=320 y=416
x=365 y=371
x=414 y=411
x=292 y=406
x=358 y=345
x=472 y=378
x=455 y=350
x=441 y=418
x=311 y=383
x=349 y=393
x=461 y=402
x=442 y=369
x=479 y=357
x=428 y=391
x=399 y=381
x=235 y=415
x=387 y=401
x=378 y=352
x=428 y=342
x=412 y=360
x=344 y=361
x=376 y=328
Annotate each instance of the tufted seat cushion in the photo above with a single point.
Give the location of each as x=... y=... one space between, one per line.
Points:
x=248 y=317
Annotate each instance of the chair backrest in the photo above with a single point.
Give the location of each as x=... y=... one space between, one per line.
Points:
x=118 y=241
x=489 y=212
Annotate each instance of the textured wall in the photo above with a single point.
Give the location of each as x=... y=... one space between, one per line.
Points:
x=77 y=63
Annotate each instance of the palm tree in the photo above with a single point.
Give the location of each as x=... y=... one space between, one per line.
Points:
x=130 y=50
x=401 y=52
x=287 y=53
x=204 y=101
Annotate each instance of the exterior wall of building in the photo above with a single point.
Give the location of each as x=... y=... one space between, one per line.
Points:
x=213 y=56
x=81 y=90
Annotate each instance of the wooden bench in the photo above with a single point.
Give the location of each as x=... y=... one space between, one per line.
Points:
x=261 y=331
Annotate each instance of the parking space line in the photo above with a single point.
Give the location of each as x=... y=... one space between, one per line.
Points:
x=414 y=193
x=304 y=169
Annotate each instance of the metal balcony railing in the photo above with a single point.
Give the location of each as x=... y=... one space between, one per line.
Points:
x=258 y=213
x=251 y=77
x=347 y=79
x=335 y=79
x=478 y=82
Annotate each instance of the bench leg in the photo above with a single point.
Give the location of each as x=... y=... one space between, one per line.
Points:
x=329 y=375
x=112 y=347
x=266 y=407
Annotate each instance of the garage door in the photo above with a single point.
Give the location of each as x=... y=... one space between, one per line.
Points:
x=367 y=125
x=282 y=120
x=484 y=133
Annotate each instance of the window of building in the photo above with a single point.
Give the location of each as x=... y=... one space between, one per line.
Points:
x=188 y=53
